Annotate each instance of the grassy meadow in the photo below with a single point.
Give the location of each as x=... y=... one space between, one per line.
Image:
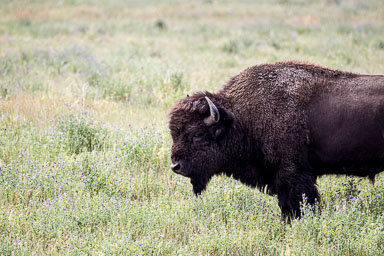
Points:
x=85 y=87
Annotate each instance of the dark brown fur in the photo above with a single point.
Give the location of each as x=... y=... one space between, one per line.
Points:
x=281 y=126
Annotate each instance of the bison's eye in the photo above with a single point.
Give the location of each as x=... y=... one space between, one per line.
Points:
x=198 y=135
x=200 y=138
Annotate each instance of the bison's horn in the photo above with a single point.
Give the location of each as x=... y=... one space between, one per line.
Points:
x=215 y=116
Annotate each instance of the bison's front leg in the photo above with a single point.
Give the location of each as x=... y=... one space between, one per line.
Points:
x=291 y=184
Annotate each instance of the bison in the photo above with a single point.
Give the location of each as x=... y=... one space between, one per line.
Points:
x=278 y=127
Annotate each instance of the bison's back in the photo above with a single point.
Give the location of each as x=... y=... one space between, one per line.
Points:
x=346 y=124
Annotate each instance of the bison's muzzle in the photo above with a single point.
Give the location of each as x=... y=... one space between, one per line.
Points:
x=175 y=167
x=180 y=169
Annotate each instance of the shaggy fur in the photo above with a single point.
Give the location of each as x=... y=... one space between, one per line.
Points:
x=281 y=126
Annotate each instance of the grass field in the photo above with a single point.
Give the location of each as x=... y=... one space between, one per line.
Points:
x=85 y=86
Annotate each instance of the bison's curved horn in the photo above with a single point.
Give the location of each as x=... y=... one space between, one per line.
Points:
x=215 y=115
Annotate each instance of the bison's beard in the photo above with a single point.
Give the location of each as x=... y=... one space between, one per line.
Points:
x=199 y=184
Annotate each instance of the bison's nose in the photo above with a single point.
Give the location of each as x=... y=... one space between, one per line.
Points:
x=175 y=167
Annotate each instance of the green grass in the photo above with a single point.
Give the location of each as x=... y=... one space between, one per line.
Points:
x=85 y=86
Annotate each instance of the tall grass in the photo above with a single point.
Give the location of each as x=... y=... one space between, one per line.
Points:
x=84 y=147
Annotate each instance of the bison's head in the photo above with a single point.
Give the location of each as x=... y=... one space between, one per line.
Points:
x=200 y=127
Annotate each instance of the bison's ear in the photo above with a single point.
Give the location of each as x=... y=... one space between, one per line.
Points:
x=219 y=120
x=218 y=132
x=226 y=120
